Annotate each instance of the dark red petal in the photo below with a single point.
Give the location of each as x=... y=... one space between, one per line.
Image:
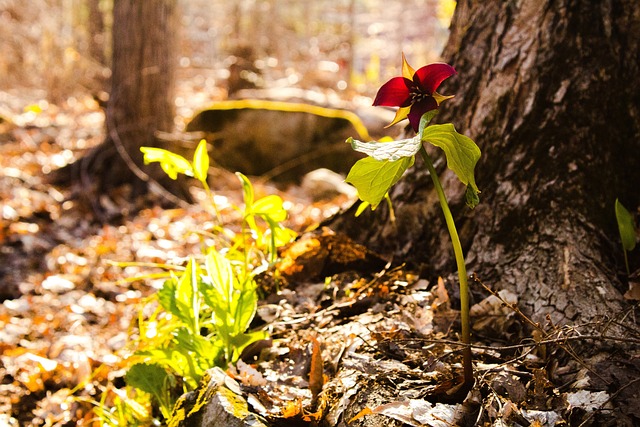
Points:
x=394 y=93
x=430 y=76
x=418 y=109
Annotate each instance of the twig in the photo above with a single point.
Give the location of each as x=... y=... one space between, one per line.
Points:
x=557 y=341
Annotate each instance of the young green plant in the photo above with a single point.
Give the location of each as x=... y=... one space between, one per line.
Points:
x=205 y=308
x=627 y=231
x=173 y=164
x=415 y=94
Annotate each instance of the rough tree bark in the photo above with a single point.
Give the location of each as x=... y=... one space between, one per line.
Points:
x=548 y=89
x=140 y=102
x=141 y=99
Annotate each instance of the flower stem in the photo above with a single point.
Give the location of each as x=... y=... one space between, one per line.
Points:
x=462 y=270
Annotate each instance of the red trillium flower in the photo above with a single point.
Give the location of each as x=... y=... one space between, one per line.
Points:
x=414 y=92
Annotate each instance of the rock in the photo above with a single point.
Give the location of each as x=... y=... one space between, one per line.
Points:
x=282 y=140
x=325 y=184
x=218 y=401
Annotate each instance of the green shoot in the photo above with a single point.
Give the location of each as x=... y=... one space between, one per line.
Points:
x=627 y=231
x=204 y=309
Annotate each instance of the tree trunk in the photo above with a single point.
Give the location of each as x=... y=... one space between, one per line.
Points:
x=548 y=90
x=143 y=74
x=140 y=103
x=96 y=32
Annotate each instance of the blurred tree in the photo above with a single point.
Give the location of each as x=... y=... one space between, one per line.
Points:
x=96 y=32
x=143 y=72
x=544 y=87
x=140 y=102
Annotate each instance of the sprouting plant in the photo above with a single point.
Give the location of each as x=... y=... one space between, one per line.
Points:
x=208 y=311
x=173 y=164
x=205 y=309
x=627 y=231
x=269 y=209
x=415 y=94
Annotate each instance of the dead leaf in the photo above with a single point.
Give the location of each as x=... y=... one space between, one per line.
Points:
x=366 y=411
x=634 y=291
x=416 y=412
x=316 y=373
x=442 y=296
x=587 y=400
x=247 y=374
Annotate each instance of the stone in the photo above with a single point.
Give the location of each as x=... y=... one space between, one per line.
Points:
x=217 y=401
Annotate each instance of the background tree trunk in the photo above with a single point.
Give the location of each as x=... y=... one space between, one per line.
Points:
x=140 y=102
x=143 y=74
x=96 y=32
x=548 y=91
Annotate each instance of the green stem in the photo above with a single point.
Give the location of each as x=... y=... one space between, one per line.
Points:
x=462 y=269
x=213 y=200
x=245 y=251
x=626 y=261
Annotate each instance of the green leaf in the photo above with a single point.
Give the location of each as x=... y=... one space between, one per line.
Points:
x=201 y=161
x=220 y=273
x=206 y=350
x=461 y=152
x=241 y=341
x=155 y=380
x=361 y=208
x=246 y=307
x=471 y=197
x=171 y=163
x=169 y=358
x=167 y=296
x=270 y=206
x=625 y=227
x=148 y=377
x=220 y=294
x=186 y=296
x=373 y=178
x=392 y=151
x=247 y=189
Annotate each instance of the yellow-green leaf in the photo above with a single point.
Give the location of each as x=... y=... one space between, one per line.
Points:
x=361 y=208
x=201 y=161
x=471 y=197
x=270 y=206
x=625 y=227
x=283 y=235
x=461 y=152
x=171 y=163
x=187 y=295
x=221 y=275
x=247 y=189
x=373 y=178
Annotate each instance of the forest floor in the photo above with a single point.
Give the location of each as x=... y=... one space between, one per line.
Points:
x=386 y=337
